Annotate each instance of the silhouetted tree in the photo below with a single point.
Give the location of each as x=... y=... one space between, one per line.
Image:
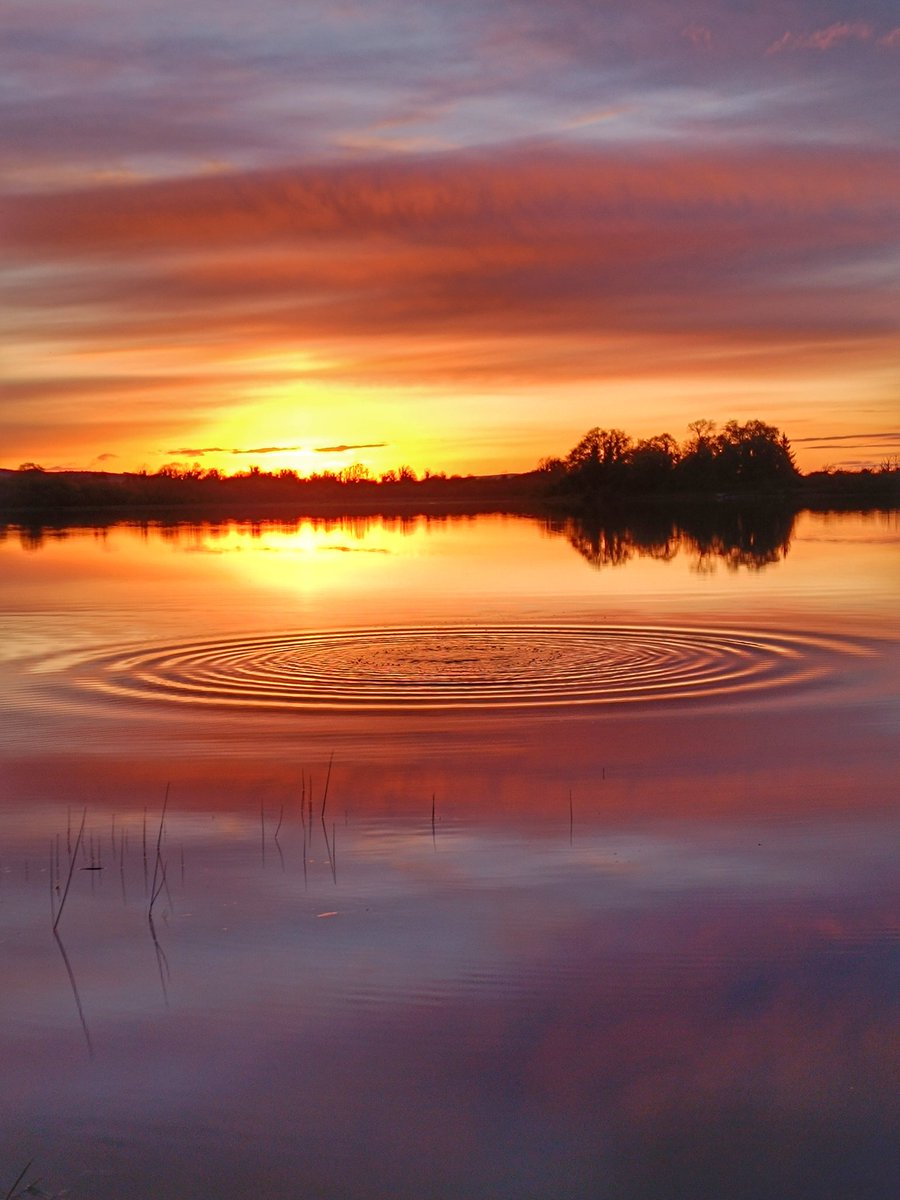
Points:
x=597 y=462
x=652 y=463
x=355 y=473
x=755 y=453
x=605 y=464
x=697 y=467
x=552 y=468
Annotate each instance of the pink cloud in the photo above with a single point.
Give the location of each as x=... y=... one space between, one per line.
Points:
x=698 y=35
x=457 y=202
x=824 y=39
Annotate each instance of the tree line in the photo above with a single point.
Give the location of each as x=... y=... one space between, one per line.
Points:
x=31 y=488
x=740 y=458
x=746 y=461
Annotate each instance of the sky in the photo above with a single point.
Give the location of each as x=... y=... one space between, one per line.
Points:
x=453 y=234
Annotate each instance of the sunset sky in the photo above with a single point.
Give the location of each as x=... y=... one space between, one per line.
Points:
x=449 y=234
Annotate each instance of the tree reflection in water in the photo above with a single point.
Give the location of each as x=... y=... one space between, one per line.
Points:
x=738 y=537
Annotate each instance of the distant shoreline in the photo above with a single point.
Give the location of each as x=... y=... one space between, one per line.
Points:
x=606 y=473
x=63 y=497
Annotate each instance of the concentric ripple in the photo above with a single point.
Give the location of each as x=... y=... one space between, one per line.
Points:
x=460 y=667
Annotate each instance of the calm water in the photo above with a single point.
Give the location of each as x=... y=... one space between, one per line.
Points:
x=499 y=859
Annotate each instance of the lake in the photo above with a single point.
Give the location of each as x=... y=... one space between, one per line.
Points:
x=451 y=856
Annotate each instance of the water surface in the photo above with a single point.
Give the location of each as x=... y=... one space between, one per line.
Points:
x=500 y=857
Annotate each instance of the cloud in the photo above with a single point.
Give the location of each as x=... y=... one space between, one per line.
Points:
x=700 y=36
x=164 y=90
x=200 y=451
x=825 y=39
x=871 y=449
x=536 y=243
x=526 y=269
x=828 y=441
x=475 y=196
x=538 y=189
x=594 y=118
x=343 y=449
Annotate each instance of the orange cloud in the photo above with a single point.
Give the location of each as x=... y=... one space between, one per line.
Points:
x=457 y=195
x=183 y=297
x=563 y=237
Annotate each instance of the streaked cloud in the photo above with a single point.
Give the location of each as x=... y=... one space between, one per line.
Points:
x=825 y=39
x=344 y=448
x=560 y=242
x=200 y=451
x=890 y=439
x=833 y=36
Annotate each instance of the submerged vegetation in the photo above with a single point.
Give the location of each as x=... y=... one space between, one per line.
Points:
x=748 y=461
